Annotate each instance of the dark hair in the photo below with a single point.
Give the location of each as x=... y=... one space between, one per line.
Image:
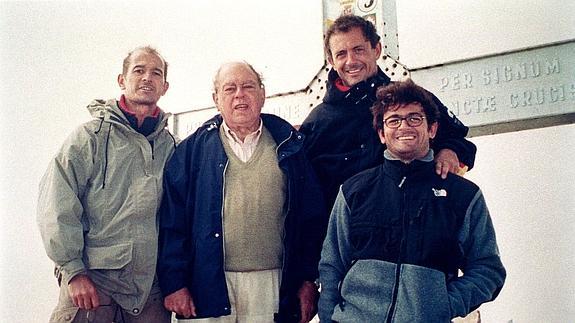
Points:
x=344 y=24
x=149 y=50
x=396 y=94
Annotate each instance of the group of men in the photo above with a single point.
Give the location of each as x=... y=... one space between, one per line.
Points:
x=251 y=220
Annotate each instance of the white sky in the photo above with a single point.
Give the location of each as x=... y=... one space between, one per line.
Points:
x=56 y=56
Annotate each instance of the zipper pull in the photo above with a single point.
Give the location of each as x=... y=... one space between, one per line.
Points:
x=401 y=183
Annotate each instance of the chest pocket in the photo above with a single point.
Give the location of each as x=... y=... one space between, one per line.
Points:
x=432 y=234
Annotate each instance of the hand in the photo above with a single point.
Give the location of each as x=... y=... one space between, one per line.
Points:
x=181 y=303
x=308 y=296
x=83 y=292
x=446 y=161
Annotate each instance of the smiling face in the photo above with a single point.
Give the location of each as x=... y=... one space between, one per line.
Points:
x=352 y=56
x=406 y=142
x=143 y=82
x=239 y=96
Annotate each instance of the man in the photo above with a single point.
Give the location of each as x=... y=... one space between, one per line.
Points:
x=99 y=198
x=240 y=223
x=399 y=233
x=339 y=140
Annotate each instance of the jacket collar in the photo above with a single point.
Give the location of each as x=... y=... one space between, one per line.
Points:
x=362 y=93
x=109 y=111
x=414 y=171
x=289 y=140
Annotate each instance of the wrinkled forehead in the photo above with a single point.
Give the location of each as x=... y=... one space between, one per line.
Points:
x=236 y=73
x=143 y=58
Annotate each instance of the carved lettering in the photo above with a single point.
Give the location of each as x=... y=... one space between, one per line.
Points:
x=553 y=67
x=557 y=94
x=474 y=105
x=456 y=81
x=541 y=96
x=521 y=71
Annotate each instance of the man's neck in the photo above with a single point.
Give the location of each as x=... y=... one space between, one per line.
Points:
x=406 y=159
x=241 y=132
x=140 y=111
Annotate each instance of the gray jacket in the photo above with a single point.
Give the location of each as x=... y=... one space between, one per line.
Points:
x=98 y=203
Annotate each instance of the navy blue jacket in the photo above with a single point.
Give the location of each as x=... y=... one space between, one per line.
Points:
x=191 y=246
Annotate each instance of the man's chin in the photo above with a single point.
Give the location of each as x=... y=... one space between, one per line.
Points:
x=351 y=81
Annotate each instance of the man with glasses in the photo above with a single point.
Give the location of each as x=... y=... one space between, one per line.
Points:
x=399 y=233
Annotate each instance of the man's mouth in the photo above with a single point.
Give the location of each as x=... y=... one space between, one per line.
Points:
x=241 y=106
x=146 y=88
x=354 y=70
x=406 y=137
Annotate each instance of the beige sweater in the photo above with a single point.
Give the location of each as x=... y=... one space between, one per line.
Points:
x=254 y=198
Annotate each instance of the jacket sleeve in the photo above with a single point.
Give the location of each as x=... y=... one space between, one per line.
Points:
x=174 y=246
x=451 y=135
x=483 y=273
x=335 y=257
x=60 y=209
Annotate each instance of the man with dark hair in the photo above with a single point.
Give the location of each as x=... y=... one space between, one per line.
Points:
x=99 y=198
x=339 y=141
x=241 y=223
x=399 y=233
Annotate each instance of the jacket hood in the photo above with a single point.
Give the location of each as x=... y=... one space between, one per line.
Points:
x=109 y=111
x=361 y=93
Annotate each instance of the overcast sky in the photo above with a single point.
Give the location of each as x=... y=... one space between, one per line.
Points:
x=56 y=56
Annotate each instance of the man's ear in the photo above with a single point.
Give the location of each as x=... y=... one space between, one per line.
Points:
x=433 y=130
x=329 y=59
x=381 y=137
x=121 y=81
x=166 y=87
x=378 y=50
x=215 y=99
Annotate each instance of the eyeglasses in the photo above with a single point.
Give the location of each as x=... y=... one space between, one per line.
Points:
x=412 y=119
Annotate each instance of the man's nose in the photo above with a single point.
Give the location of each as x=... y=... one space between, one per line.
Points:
x=351 y=58
x=147 y=76
x=239 y=92
x=403 y=123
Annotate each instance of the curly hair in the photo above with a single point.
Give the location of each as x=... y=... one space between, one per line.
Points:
x=397 y=94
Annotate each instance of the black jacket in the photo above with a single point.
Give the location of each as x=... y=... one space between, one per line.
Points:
x=340 y=140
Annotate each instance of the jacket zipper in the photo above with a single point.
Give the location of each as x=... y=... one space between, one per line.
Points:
x=288 y=197
x=399 y=256
x=222 y=214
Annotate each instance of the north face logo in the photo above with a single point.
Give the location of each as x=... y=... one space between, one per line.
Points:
x=439 y=192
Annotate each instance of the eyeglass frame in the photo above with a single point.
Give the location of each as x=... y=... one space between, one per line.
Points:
x=406 y=118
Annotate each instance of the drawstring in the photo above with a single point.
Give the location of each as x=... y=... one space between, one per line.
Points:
x=173 y=139
x=106 y=152
x=100 y=126
x=106 y=157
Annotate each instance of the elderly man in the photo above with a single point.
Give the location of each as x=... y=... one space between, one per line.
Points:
x=339 y=139
x=99 y=198
x=241 y=226
x=399 y=233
